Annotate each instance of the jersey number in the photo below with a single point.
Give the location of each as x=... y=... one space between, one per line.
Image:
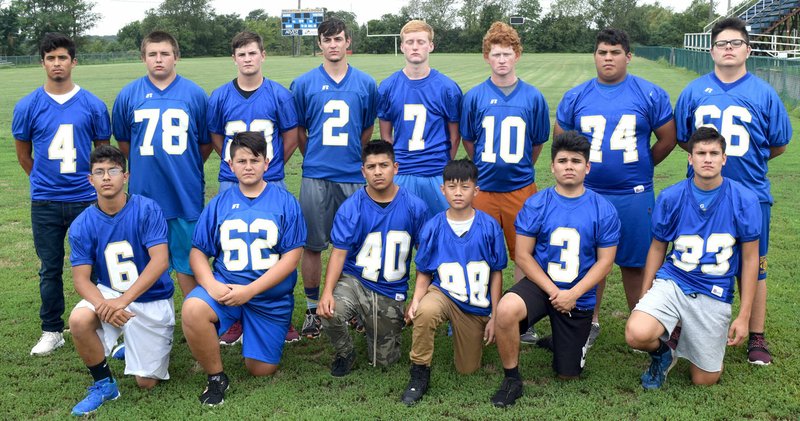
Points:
x=121 y=273
x=419 y=115
x=328 y=138
x=728 y=129
x=623 y=138
x=255 y=256
x=265 y=126
x=398 y=245
x=566 y=270
x=63 y=147
x=489 y=155
x=174 y=128
x=691 y=249
x=451 y=278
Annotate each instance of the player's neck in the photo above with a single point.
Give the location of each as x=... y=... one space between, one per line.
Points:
x=570 y=191
x=461 y=214
x=250 y=82
x=112 y=205
x=383 y=196
x=335 y=69
x=163 y=83
x=707 y=184
x=506 y=80
x=254 y=190
x=730 y=74
x=59 y=87
x=417 y=71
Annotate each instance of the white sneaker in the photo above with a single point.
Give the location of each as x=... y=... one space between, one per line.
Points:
x=48 y=343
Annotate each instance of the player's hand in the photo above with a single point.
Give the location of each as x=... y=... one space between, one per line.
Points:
x=108 y=307
x=488 y=333
x=563 y=301
x=237 y=295
x=326 y=306
x=218 y=290
x=738 y=331
x=411 y=311
x=120 y=317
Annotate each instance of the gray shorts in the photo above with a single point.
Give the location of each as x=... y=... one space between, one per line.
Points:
x=319 y=200
x=704 y=322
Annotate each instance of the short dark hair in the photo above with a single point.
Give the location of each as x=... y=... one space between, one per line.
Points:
x=160 y=36
x=330 y=27
x=460 y=170
x=107 y=153
x=706 y=134
x=252 y=141
x=730 y=23
x=54 y=40
x=244 y=38
x=377 y=147
x=613 y=36
x=570 y=141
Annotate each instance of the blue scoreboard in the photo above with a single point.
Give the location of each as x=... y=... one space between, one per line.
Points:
x=302 y=22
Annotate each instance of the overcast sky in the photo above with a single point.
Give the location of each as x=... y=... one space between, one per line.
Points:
x=117 y=13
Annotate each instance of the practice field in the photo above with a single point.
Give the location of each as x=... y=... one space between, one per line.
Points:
x=48 y=387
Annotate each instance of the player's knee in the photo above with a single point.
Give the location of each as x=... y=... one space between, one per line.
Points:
x=638 y=336
x=260 y=369
x=705 y=378
x=146 y=382
x=82 y=320
x=509 y=312
x=467 y=368
x=194 y=313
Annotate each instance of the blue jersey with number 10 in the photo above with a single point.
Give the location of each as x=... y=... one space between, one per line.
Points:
x=568 y=232
x=462 y=266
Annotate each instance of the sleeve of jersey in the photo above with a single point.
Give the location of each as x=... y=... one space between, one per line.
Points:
x=420 y=218
x=424 y=257
x=609 y=226
x=565 y=114
x=661 y=108
x=101 y=121
x=371 y=105
x=293 y=232
x=344 y=228
x=499 y=258
x=683 y=116
x=119 y=119
x=201 y=108
x=529 y=220
x=214 y=113
x=287 y=113
x=299 y=102
x=452 y=100
x=384 y=104
x=153 y=225
x=21 y=122
x=205 y=232
x=779 y=127
x=748 y=218
x=540 y=130
x=80 y=243
x=664 y=220
x=465 y=125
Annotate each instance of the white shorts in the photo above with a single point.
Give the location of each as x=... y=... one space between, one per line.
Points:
x=148 y=335
x=704 y=322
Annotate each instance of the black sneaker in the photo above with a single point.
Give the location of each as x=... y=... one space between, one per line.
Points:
x=510 y=390
x=418 y=385
x=545 y=342
x=312 y=325
x=342 y=365
x=215 y=390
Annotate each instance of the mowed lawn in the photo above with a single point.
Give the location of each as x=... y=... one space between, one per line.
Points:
x=303 y=388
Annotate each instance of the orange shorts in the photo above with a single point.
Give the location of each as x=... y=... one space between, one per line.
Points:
x=504 y=207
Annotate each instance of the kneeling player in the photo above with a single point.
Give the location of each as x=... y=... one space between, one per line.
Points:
x=566 y=241
x=714 y=224
x=367 y=274
x=460 y=262
x=125 y=239
x=255 y=233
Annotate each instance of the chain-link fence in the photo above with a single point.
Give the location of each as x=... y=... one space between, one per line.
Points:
x=782 y=74
x=92 y=58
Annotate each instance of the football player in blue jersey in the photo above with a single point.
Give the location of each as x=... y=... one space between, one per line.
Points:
x=255 y=233
x=714 y=225
x=567 y=236
x=252 y=102
x=159 y=121
x=460 y=262
x=419 y=109
x=124 y=238
x=751 y=117
x=367 y=275
x=617 y=112
x=336 y=109
x=54 y=128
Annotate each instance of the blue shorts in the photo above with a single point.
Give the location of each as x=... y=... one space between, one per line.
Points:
x=262 y=337
x=179 y=239
x=429 y=189
x=225 y=185
x=635 y=212
x=763 y=241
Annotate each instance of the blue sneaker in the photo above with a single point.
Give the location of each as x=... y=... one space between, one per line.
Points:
x=118 y=353
x=655 y=375
x=99 y=392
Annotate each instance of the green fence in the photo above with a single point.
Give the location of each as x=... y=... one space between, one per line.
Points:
x=782 y=74
x=98 y=58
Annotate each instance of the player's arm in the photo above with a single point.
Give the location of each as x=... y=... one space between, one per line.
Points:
x=420 y=289
x=205 y=150
x=159 y=263
x=386 y=129
x=302 y=139
x=566 y=299
x=327 y=305
x=666 y=139
x=655 y=258
x=740 y=326
x=557 y=130
x=495 y=291
x=529 y=266
x=455 y=138
x=24 y=155
x=536 y=150
x=124 y=147
x=217 y=140
x=290 y=141
x=775 y=151
x=241 y=294
x=469 y=146
x=98 y=142
x=366 y=135
x=81 y=278
x=198 y=261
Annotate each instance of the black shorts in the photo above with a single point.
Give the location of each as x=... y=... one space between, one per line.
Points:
x=570 y=331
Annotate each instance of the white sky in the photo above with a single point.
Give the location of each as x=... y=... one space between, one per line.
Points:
x=117 y=13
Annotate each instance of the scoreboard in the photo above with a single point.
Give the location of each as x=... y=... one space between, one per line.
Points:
x=301 y=22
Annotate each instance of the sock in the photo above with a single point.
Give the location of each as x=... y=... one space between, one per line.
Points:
x=662 y=348
x=754 y=335
x=100 y=371
x=512 y=372
x=312 y=297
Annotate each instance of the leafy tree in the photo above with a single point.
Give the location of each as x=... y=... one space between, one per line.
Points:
x=11 y=35
x=531 y=10
x=70 y=17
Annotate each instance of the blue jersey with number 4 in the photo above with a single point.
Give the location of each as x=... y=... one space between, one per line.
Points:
x=335 y=115
x=748 y=113
x=165 y=129
x=270 y=110
x=461 y=267
x=618 y=121
x=420 y=112
x=568 y=232
x=116 y=246
x=61 y=136
x=706 y=244
x=378 y=240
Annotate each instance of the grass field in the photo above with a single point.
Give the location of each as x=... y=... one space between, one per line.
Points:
x=303 y=389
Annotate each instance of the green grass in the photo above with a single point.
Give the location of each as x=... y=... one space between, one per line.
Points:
x=303 y=389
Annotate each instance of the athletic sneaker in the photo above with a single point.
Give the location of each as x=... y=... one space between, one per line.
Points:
x=594 y=332
x=674 y=337
x=418 y=385
x=757 y=351
x=529 y=337
x=48 y=342
x=545 y=342
x=343 y=365
x=118 y=353
x=510 y=390
x=99 y=392
x=215 y=390
x=312 y=325
x=233 y=336
x=291 y=335
x=655 y=375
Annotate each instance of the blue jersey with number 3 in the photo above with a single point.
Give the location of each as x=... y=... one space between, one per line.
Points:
x=568 y=232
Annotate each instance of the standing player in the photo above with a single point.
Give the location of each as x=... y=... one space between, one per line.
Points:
x=751 y=117
x=160 y=123
x=714 y=224
x=336 y=113
x=617 y=112
x=566 y=240
x=419 y=109
x=255 y=233
x=252 y=102
x=368 y=271
x=54 y=128
x=460 y=262
x=125 y=239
